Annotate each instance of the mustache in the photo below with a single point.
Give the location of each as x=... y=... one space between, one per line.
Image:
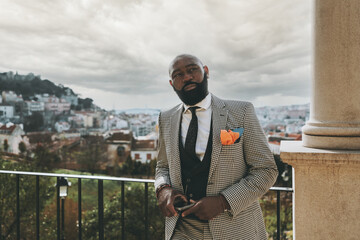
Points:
x=189 y=83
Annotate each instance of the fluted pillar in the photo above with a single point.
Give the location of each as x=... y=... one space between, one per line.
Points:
x=335 y=106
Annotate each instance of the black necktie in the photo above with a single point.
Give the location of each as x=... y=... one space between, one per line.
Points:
x=190 y=141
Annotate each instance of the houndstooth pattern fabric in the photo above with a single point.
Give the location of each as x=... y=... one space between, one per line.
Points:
x=242 y=172
x=189 y=228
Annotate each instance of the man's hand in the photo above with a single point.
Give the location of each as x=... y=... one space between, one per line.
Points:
x=166 y=200
x=208 y=207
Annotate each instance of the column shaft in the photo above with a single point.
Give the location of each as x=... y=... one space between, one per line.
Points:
x=335 y=107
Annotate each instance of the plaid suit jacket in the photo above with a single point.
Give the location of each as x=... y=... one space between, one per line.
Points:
x=242 y=172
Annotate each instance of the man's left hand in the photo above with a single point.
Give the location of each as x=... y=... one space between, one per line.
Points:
x=207 y=208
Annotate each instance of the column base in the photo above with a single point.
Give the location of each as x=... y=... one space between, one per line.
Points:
x=343 y=136
x=330 y=142
x=326 y=191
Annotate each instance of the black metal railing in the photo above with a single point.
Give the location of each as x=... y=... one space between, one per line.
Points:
x=100 y=179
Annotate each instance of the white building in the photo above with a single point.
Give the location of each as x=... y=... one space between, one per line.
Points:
x=89 y=119
x=34 y=106
x=14 y=135
x=143 y=124
x=294 y=125
x=53 y=103
x=57 y=107
x=10 y=96
x=6 y=111
x=114 y=122
x=62 y=126
x=144 y=150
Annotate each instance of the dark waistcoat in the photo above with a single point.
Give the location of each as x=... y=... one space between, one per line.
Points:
x=195 y=172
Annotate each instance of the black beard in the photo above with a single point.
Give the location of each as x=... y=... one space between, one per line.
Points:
x=195 y=95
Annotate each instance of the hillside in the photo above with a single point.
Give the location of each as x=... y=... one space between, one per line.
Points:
x=29 y=85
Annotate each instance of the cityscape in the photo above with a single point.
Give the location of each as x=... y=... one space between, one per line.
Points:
x=65 y=121
x=48 y=128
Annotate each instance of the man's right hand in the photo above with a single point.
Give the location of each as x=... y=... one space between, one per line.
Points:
x=166 y=198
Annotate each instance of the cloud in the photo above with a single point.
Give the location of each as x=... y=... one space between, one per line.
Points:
x=253 y=48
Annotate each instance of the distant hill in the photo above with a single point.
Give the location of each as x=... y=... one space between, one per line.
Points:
x=29 y=85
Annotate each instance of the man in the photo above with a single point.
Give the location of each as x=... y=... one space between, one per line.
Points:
x=196 y=165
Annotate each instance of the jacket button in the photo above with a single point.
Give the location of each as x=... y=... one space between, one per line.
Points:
x=191 y=195
x=188 y=180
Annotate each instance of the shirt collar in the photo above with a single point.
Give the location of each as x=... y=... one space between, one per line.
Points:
x=203 y=104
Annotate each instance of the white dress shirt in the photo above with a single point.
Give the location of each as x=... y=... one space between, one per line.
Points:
x=204 y=121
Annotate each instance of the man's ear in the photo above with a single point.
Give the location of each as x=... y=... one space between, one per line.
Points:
x=171 y=83
x=206 y=69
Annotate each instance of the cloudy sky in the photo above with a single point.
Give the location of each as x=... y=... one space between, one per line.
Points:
x=117 y=51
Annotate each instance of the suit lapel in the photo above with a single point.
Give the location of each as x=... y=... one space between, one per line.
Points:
x=175 y=131
x=219 y=116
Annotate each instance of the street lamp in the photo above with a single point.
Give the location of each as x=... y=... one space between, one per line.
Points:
x=63 y=185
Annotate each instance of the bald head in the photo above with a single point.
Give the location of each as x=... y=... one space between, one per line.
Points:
x=182 y=57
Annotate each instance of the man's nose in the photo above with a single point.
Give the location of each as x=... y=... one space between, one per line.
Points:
x=188 y=77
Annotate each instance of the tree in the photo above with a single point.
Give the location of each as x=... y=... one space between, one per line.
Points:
x=22 y=147
x=27 y=201
x=6 y=145
x=43 y=158
x=33 y=123
x=128 y=166
x=91 y=155
x=134 y=215
x=153 y=167
x=85 y=103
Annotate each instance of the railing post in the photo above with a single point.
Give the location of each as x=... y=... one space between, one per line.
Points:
x=146 y=211
x=62 y=218
x=122 y=210
x=101 y=209
x=37 y=208
x=58 y=208
x=18 y=206
x=0 y=219
x=79 y=208
x=278 y=234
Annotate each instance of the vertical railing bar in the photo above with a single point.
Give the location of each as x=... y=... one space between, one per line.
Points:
x=18 y=206
x=37 y=207
x=101 y=209
x=122 y=210
x=1 y=197
x=146 y=211
x=58 y=207
x=62 y=218
x=278 y=214
x=79 y=208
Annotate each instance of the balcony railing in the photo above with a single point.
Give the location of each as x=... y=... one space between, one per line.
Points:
x=100 y=193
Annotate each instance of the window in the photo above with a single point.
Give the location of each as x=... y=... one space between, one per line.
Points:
x=148 y=156
x=121 y=151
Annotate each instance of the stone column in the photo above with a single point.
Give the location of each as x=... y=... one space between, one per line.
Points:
x=335 y=107
x=327 y=162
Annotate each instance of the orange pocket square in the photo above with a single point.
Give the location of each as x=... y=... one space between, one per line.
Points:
x=228 y=137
